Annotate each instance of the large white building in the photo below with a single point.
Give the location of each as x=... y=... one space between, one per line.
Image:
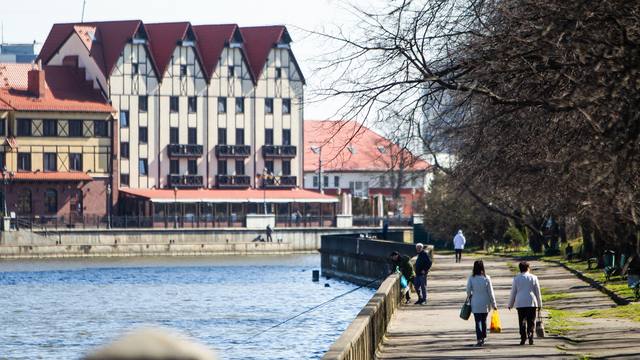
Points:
x=198 y=108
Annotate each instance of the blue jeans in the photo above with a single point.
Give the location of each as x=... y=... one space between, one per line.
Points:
x=420 y=284
x=481 y=325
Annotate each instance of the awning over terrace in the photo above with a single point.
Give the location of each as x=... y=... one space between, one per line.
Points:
x=232 y=196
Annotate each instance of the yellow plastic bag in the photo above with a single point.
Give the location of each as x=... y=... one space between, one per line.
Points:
x=495 y=326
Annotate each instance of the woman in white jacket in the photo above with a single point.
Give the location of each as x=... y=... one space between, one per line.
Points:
x=525 y=295
x=482 y=300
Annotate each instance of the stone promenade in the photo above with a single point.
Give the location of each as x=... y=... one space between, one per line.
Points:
x=436 y=331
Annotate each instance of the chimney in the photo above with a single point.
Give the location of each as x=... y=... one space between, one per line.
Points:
x=36 y=82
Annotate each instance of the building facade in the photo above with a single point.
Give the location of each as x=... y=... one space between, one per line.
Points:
x=56 y=159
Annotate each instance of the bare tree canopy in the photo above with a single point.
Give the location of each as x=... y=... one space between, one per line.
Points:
x=537 y=99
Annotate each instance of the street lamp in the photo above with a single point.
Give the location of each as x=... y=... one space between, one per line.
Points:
x=175 y=207
x=108 y=205
x=7 y=178
x=320 y=144
x=265 y=175
x=413 y=192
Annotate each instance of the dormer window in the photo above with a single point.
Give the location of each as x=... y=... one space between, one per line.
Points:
x=235 y=45
x=140 y=38
x=92 y=36
x=189 y=39
x=188 y=43
x=284 y=46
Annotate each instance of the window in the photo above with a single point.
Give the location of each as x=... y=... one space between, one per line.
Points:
x=286 y=137
x=222 y=105
x=100 y=128
x=143 y=167
x=232 y=72
x=124 y=118
x=124 y=179
x=239 y=105
x=268 y=136
x=174 y=135
x=278 y=73
x=174 y=167
x=183 y=70
x=24 y=161
x=174 y=104
x=269 y=166
x=315 y=181
x=50 y=201
x=222 y=136
x=239 y=167
x=50 y=162
x=143 y=103
x=222 y=167
x=268 y=106
x=50 y=128
x=24 y=127
x=3 y=161
x=143 y=135
x=134 y=69
x=286 y=167
x=2 y=127
x=352 y=149
x=24 y=201
x=325 y=181
x=239 y=136
x=336 y=181
x=383 y=181
x=124 y=150
x=382 y=149
x=192 y=136
x=286 y=106
x=75 y=128
x=75 y=162
x=192 y=167
x=193 y=104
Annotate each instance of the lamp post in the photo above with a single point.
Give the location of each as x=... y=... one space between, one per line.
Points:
x=413 y=192
x=175 y=207
x=108 y=206
x=320 y=145
x=7 y=178
x=265 y=176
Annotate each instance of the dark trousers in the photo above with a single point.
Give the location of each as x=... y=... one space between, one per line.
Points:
x=481 y=325
x=527 y=321
x=420 y=284
x=458 y=255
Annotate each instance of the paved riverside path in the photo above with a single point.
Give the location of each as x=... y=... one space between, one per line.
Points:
x=436 y=331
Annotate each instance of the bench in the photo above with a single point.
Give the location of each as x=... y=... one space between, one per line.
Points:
x=615 y=270
x=551 y=251
x=577 y=255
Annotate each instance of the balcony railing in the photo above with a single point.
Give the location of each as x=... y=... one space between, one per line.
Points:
x=281 y=181
x=185 y=151
x=234 y=181
x=185 y=181
x=233 y=151
x=279 y=151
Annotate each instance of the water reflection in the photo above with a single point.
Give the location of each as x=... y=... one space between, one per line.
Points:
x=60 y=309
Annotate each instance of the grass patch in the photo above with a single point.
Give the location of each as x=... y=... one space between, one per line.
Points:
x=616 y=283
x=551 y=296
x=559 y=323
x=513 y=268
x=630 y=312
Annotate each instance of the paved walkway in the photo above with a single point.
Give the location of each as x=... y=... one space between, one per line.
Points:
x=436 y=331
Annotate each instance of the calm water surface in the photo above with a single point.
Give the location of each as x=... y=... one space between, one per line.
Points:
x=62 y=309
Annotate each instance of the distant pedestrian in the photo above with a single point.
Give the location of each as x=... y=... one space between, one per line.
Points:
x=525 y=294
x=458 y=244
x=480 y=290
x=403 y=262
x=385 y=228
x=422 y=266
x=298 y=216
x=269 y=233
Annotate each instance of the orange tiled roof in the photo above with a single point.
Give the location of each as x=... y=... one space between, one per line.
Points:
x=237 y=196
x=53 y=175
x=63 y=91
x=336 y=155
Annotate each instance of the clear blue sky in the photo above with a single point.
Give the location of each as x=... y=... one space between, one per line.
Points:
x=24 y=21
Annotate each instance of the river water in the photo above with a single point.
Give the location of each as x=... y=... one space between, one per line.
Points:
x=64 y=309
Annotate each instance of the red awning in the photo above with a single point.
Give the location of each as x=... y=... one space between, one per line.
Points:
x=232 y=196
x=51 y=176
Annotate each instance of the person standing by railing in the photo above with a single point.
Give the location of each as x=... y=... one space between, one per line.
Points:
x=422 y=266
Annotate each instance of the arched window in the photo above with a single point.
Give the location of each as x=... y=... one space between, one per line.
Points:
x=24 y=201
x=50 y=201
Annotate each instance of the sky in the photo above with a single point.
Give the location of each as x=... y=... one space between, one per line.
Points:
x=26 y=21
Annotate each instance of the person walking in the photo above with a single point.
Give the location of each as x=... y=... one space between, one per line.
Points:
x=458 y=244
x=403 y=262
x=269 y=233
x=422 y=266
x=525 y=295
x=480 y=290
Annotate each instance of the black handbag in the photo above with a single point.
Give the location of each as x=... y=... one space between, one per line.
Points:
x=465 y=312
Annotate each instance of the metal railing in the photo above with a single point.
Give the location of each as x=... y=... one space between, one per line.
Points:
x=186 y=180
x=281 y=181
x=181 y=150
x=236 y=181
x=374 y=221
x=238 y=151
x=279 y=151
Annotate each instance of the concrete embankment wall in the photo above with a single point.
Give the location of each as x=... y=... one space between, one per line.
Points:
x=156 y=242
x=361 y=339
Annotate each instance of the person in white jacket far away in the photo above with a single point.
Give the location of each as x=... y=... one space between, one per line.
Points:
x=458 y=244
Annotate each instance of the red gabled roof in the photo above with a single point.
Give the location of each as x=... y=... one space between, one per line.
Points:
x=4 y=106
x=336 y=155
x=259 y=40
x=53 y=175
x=164 y=37
x=112 y=36
x=212 y=39
x=63 y=91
